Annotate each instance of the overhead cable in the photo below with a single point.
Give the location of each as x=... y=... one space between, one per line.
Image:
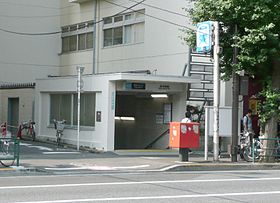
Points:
x=162 y=9
x=58 y=32
x=151 y=16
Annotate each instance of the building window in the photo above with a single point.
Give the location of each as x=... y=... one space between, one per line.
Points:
x=125 y=29
x=77 y=37
x=85 y=41
x=64 y=106
x=61 y=107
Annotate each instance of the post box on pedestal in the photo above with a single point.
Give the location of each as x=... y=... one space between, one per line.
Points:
x=184 y=136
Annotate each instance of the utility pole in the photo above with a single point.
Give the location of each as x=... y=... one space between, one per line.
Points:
x=204 y=44
x=216 y=81
x=79 y=87
x=235 y=104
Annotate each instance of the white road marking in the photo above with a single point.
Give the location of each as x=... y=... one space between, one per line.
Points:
x=99 y=168
x=151 y=158
x=131 y=167
x=61 y=152
x=160 y=197
x=24 y=144
x=169 y=167
x=65 y=169
x=41 y=148
x=36 y=146
x=137 y=183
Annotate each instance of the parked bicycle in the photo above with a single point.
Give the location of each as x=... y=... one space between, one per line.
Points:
x=29 y=127
x=250 y=148
x=7 y=157
x=59 y=126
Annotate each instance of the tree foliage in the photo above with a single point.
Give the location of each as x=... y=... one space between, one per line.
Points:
x=253 y=26
x=271 y=105
x=257 y=38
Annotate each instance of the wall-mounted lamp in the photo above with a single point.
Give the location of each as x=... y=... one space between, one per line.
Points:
x=124 y=118
x=159 y=95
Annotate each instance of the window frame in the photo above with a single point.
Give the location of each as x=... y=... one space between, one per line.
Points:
x=70 y=122
x=131 y=21
x=76 y=30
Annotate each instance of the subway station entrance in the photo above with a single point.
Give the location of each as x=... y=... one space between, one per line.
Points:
x=143 y=110
x=141 y=121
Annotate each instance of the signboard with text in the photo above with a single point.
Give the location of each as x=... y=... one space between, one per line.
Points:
x=204 y=37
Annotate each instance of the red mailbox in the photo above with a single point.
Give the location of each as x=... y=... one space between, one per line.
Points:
x=184 y=135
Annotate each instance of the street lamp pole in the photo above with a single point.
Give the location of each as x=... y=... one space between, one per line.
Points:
x=80 y=70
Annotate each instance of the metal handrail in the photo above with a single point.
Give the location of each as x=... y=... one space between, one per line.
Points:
x=157 y=138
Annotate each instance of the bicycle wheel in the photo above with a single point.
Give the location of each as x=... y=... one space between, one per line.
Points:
x=33 y=135
x=7 y=157
x=58 y=140
x=7 y=163
x=248 y=153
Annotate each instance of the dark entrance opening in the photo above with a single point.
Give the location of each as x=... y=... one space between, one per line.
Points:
x=139 y=121
x=13 y=114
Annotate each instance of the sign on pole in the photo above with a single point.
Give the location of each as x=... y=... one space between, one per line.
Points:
x=204 y=37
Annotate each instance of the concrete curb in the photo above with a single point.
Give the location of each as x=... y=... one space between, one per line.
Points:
x=224 y=166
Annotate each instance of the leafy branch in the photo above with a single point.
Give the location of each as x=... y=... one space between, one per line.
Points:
x=270 y=107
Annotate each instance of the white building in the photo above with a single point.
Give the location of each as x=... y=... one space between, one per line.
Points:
x=26 y=53
x=129 y=51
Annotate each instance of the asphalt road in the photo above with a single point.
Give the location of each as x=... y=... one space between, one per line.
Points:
x=49 y=158
x=215 y=186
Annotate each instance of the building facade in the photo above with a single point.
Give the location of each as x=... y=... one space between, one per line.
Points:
x=29 y=50
x=127 y=55
x=129 y=51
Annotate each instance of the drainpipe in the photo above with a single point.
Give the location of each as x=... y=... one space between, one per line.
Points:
x=94 y=39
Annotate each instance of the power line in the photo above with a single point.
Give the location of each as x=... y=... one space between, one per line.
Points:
x=127 y=8
x=32 y=5
x=162 y=9
x=29 y=64
x=160 y=19
x=47 y=16
x=144 y=57
x=58 y=32
x=32 y=34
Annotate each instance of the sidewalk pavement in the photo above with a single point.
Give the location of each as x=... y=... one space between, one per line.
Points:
x=133 y=161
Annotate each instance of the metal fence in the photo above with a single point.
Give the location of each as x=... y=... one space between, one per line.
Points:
x=9 y=151
x=258 y=148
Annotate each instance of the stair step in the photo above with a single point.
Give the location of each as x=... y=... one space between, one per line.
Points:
x=201 y=64
x=201 y=72
x=199 y=99
x=200 y=90
x=207 y=81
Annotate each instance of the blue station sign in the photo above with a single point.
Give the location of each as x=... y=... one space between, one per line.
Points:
x=204 y=37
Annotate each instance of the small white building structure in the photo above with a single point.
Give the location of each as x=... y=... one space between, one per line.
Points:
x=117 y=110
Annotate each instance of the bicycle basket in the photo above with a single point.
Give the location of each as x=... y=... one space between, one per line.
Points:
x=25 y=125
x=60 y=125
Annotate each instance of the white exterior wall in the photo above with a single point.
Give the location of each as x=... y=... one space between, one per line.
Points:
x=25 y=57
x=101 y=136
x=72 y=13
x=161 y=50
x=26 y=102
